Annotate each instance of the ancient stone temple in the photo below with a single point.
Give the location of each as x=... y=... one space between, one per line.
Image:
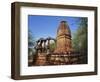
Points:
x=63 y=38
x=63 y=53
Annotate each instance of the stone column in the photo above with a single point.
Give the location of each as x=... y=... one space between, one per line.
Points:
x=44 y=49
x=48 y=46
x=37 y=46
x=41 y=41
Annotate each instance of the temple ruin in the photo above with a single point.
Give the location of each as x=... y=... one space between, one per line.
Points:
x=63 y=38
x=63 y=53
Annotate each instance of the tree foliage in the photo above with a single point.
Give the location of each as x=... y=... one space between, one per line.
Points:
x=31 y=43
x=52 y=46
x=80 y=36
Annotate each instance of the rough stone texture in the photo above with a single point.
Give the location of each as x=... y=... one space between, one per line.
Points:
x=63 y=59
x=63 y=38
x=41 y=59
x=63 y=46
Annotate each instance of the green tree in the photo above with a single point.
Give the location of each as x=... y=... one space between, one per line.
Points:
x=80 y=36
x=31 y=43
x=52 y=46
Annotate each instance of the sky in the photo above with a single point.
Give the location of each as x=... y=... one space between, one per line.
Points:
x=46 y=26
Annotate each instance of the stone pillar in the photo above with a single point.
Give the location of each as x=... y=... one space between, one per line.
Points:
x=37 y=46
x=44 y=45
x=41 y=47
x=48 y=46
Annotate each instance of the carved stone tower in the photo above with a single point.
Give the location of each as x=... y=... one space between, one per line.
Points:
x=63 y=39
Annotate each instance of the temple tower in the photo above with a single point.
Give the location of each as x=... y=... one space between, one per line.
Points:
x=63 y=39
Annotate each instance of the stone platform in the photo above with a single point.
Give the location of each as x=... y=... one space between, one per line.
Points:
x=59 y=59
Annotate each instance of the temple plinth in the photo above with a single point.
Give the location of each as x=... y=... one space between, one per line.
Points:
x=63 y=38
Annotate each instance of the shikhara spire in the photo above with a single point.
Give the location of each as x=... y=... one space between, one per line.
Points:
x=63 y=38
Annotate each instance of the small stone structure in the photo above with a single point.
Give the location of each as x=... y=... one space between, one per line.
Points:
x=42 y=51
